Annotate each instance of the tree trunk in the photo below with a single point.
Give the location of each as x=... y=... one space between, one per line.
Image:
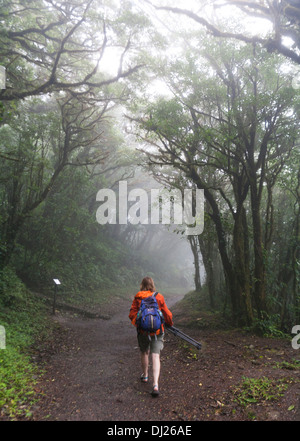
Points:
x=194 y=248
x=229 y=273
x=10 y=233
x=242 y=267
x=259 y=261
x=206 y=249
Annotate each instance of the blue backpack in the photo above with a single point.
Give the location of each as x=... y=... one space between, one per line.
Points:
x=149 y=317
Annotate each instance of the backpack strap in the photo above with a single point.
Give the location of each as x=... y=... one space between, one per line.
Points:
x=161 y=314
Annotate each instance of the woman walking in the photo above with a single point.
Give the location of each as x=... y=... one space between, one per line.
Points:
x=153 y=343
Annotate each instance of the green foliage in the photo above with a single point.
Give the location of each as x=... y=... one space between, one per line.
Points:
x=259 y=390
x=292 y=366
x=167 y=117
x=18 y=378
x=11 y=288
x=24 y=323
x=63 y=240
x=232 y=129
x=269 y=326
x=198 y=313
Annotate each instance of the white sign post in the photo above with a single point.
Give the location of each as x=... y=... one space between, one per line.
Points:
x=2 y=77
x=56 y=284
x=2 y=337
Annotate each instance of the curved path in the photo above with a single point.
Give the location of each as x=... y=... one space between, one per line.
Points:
x=97 y=376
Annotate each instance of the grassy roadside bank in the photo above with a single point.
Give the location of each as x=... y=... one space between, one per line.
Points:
x=29 y=329
x=25 y=321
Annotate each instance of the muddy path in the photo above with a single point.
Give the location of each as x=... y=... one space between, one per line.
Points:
x=94 y=375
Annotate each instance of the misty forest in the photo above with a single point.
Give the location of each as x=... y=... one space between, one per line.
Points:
x=172 y=96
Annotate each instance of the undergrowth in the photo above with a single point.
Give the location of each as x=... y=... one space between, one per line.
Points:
x=259 y=390
x=24 y=319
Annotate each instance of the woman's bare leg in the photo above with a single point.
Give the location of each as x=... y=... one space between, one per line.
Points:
x=145 y=362
x=156 y=369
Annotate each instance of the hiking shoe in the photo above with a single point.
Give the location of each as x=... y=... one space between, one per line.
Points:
x=155 y=391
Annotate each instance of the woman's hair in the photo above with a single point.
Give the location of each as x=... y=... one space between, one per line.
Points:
x=147 y=284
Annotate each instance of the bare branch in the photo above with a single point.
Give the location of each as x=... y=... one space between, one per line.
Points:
x=273 y=44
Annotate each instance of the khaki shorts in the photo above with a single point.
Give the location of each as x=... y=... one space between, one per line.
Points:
x=155 y=344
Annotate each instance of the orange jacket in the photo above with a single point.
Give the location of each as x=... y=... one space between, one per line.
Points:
x=161 y=304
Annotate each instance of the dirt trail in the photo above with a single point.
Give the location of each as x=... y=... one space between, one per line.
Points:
x=95 y=375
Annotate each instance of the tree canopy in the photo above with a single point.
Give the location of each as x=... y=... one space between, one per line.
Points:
x=226 y=120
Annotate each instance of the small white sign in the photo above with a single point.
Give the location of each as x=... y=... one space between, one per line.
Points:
x=57 y=282
x=2 y=337
x=2 y=77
